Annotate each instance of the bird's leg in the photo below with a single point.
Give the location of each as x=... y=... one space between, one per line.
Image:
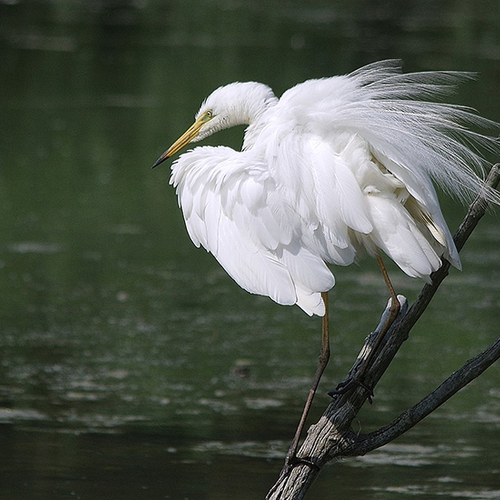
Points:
x=394 y=310
x=324 y=356
x=395 y=306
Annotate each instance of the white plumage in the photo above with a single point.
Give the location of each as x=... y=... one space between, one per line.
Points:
x=335 y=166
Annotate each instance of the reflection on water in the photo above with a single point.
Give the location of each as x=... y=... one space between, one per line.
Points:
x=131 y=366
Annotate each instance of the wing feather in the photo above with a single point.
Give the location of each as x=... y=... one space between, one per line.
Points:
x=397 y=235
x=421 y=189
x=233 y=208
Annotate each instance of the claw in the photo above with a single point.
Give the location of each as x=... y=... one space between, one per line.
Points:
x=390 y=314
x=348 y=384
x=400 y=310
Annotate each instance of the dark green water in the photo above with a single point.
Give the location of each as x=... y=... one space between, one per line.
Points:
x=122 y=345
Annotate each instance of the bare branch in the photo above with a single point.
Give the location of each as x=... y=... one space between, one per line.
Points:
x=458 y=380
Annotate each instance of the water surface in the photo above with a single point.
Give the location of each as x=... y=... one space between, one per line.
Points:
x=131 y=366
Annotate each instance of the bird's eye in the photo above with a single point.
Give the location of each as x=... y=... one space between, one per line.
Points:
x=206 y=116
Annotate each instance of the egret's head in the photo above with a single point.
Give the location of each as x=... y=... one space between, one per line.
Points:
x=228 y=106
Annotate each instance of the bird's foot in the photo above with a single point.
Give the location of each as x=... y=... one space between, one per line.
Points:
x=294 y=460
x=394 y=310
x=348 y=384
x=372 y=344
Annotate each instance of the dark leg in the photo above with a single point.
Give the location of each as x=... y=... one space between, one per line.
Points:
x=322 y=362
x=395 y=307
x=393 y=314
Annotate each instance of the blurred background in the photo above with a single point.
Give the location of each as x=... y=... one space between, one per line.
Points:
x=131 y=365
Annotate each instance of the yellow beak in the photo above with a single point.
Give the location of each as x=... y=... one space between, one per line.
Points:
x=182 y=141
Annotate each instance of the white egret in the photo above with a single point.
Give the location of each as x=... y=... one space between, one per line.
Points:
x=335 y=167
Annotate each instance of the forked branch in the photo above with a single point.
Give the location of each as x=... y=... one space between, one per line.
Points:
x=332 y=437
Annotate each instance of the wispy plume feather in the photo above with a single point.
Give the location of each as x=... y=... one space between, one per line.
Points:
x=402 y=116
